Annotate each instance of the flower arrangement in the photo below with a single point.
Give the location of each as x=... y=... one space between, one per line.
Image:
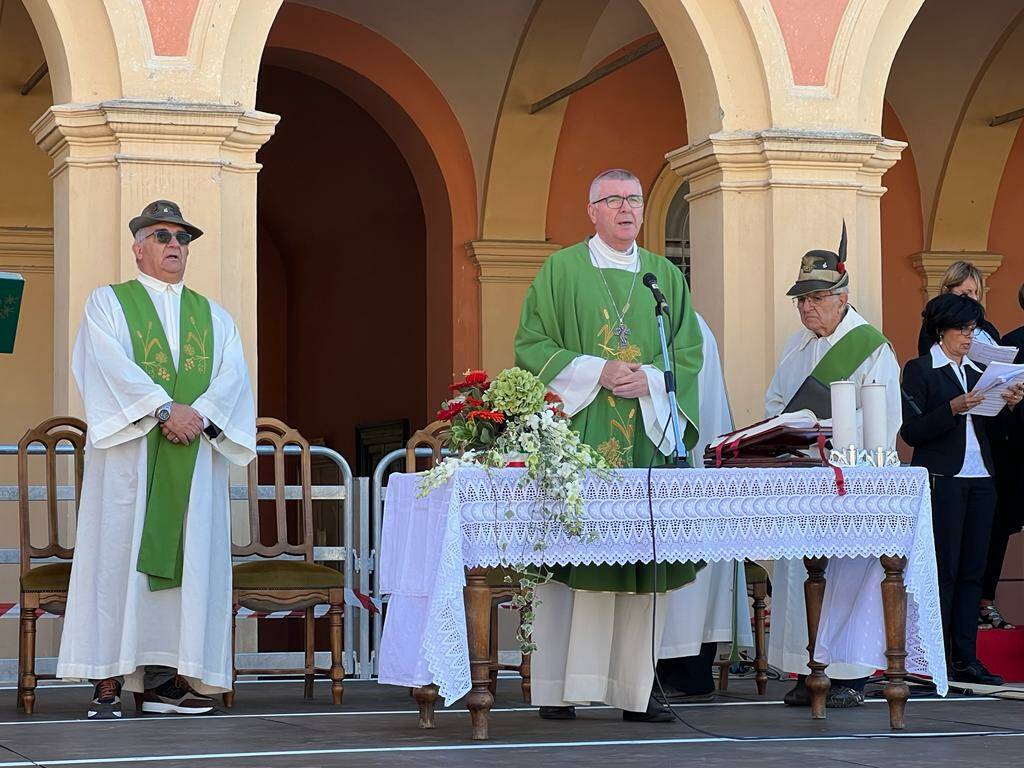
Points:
x=515 y=420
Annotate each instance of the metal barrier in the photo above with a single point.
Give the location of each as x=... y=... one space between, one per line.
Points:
x=345 y=553
x=377 y=504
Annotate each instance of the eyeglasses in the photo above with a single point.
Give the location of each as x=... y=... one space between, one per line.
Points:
x=615 y=201
x=163 y=236
x=967 y=330
x=815 y=299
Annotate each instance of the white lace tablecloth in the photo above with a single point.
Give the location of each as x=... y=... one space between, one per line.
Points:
x=488 y=518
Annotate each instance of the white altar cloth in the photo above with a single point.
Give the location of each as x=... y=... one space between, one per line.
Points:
x=487 y=518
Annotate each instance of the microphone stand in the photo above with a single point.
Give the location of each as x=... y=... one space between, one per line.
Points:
x=660 y=312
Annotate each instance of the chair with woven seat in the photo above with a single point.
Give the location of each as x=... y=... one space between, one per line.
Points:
x=43 y=587
x=435 y=437
x=278 y=581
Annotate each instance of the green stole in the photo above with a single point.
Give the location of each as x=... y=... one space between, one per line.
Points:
x=849 y=352
x=170 y=465
x=568 y=312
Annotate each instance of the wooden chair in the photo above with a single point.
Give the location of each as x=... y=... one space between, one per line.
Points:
x=43 y=586
x=757 y=588
x=435 y=437
x=280 y=584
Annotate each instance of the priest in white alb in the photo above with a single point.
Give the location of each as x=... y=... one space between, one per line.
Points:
x=588 y=331
x=169 y=408
x=835 y=344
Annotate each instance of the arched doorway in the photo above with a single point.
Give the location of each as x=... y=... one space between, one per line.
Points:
x=341 y=268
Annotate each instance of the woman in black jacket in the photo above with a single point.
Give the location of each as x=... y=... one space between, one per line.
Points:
x=1009 y=517
x=955 y=449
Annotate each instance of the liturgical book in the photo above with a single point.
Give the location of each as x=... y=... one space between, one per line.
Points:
x=11 y=288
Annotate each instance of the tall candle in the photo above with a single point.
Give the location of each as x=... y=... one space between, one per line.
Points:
x=844 y=415
x=876 y=433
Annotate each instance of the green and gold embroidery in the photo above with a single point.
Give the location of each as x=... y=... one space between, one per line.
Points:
x=196 y=355
x=615 y=452
x=154 y=357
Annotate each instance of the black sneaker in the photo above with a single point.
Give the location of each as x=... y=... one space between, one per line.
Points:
x=177 y=697
x=106 y=700
x=975 y=672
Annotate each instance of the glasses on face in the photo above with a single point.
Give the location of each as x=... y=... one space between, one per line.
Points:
x=163 y=236
x=615 y=201
x=814 y=300
x=967 y=330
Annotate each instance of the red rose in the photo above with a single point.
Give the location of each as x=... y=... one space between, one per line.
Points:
x=551 y=397
x=475 y=378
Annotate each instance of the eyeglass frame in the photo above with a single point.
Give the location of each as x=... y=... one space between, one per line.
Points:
x=622 y=198
x=176 y=235
x=816 y=300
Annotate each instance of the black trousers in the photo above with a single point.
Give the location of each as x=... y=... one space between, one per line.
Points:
x=962 y=510
x=689 y=674
x=1008 y=520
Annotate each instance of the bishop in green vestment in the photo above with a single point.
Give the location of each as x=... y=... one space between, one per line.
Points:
x=588 y=329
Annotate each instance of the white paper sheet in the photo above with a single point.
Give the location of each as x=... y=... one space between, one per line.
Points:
x=996 y=379
x=984 y=353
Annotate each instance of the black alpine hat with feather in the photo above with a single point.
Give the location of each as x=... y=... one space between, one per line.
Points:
x=822 y=271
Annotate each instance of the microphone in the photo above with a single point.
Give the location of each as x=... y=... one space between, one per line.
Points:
x=660 y=302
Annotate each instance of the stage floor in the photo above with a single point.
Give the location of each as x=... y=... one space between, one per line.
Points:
x=272 y=726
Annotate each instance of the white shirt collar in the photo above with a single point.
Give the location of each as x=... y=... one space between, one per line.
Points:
x=622 y=258
x=940 y=358
x=850 y=321
x=159 y=286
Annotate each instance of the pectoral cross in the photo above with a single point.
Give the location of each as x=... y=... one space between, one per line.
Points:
x=622 y=331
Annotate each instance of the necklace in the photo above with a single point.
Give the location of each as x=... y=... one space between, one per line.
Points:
x=621 y=329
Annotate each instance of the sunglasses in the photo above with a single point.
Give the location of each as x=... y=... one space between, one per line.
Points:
x=163 y=236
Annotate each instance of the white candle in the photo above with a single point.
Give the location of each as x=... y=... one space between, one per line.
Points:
x=872 y=400
x=844 y=415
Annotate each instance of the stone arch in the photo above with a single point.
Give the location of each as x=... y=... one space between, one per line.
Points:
x=716 y=61
x=402 y=98
x=969 y=184
x=80 y=48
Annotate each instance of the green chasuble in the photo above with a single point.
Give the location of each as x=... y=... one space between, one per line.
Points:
x=567 y=313
x=170 y=465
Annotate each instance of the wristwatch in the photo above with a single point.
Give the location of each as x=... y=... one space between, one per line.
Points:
x=163 y=413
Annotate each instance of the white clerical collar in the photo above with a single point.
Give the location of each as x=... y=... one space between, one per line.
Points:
x=607 y=253
x=940 y=358
x=159 y=286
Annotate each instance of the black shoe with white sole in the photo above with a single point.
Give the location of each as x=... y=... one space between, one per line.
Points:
x=176 y=697
x=106 y=700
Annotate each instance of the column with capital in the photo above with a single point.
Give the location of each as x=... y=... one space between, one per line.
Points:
x=759 y=200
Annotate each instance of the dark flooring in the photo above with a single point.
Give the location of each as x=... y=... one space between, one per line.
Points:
x=271 y=725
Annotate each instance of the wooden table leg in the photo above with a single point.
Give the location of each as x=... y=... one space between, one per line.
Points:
x=478 y=625
x=814 y=591
x=425 y=697
x=894 y=606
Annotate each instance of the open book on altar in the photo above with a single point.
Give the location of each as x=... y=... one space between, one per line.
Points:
x=766 y=442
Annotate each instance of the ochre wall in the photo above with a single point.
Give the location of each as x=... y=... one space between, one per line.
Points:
x=628 y=119
x=1006 y=237
x=902 y=237
x=350 y=235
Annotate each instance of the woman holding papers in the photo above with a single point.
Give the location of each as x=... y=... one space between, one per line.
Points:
x=955 y=447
